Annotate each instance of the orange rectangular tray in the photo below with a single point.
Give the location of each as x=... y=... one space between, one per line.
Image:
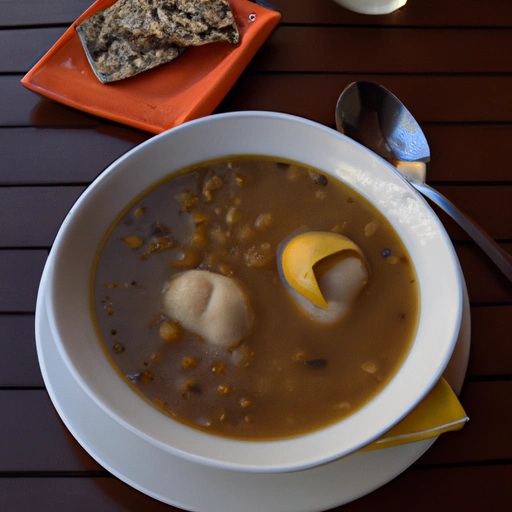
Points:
x=187 y=88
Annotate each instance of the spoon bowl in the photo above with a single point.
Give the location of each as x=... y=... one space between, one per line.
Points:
x=373 y=116
x=376 y=118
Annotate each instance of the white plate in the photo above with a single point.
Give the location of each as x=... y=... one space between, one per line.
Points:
x=194 y=487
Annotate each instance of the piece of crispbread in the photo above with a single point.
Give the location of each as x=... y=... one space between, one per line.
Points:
x=133 y=36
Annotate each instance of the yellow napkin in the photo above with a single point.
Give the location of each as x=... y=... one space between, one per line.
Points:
x=440 y=411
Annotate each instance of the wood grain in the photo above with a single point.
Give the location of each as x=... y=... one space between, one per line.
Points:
x=431 y=98
x=33 y=12
x=461 y=99
x=473 y=488
x=490 y=353
x=37 y=203
x=20 y=272
x=390 y=50
x=40 y=441
x=292 y=49
x=23 y=48
x=44 y=444
x=21 y=107
x=20 y=366
x=54 y=155
x=442 y=490
x=75 y=494
x=490 y=341
x=448 y=61
x=485 y=282
x=484 y=204
x=469 y=153
x=485 y=436
x=469 y=13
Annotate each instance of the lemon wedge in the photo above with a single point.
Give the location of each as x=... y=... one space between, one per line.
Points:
x=303 y=252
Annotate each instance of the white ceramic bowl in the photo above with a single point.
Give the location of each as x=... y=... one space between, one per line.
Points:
x=282 y=136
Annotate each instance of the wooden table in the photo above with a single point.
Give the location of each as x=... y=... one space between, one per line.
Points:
x=450 y=62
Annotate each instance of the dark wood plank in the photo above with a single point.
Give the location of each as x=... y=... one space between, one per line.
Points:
x=23 y=48
x=43 y=210
x=490 y=341
x=457 y=82
x=16 y=103
x=59 y=155
x=75 y=494
x=20 y=272
x=292 y=48
x=475 y=489
x=485 y=282
x=32 y=431
x=469 y=152
x=490 y=346
x=389 y=50
x=459 y=152
x=18 y=352
x=414 y=13
x=471 y=13
x=486 y=205
x=485 y=436
x=34 y=438
x=33 y=12
x=21 y=107
x=431 y=98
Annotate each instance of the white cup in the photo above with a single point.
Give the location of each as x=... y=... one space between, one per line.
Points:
x=372 y=6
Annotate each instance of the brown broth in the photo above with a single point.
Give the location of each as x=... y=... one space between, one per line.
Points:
x=290 y=375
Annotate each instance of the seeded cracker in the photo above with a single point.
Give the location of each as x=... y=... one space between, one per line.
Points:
x=133 y=36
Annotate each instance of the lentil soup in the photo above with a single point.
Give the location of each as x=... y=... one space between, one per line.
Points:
x=288 y=374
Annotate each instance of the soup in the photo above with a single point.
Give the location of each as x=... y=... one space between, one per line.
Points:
x=276 y=370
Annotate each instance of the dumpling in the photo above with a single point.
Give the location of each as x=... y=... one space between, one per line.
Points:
x=210 y=305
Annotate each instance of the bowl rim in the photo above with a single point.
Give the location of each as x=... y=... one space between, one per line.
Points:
x=257 y=456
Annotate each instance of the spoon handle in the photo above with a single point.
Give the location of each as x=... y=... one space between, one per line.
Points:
x=502 y=259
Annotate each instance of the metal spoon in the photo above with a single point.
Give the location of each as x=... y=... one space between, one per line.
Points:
x=376 y=118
